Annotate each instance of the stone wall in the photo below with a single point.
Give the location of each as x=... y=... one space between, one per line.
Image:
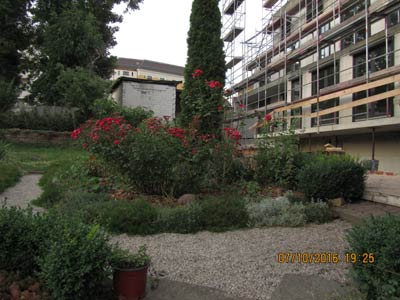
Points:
x=36 y=136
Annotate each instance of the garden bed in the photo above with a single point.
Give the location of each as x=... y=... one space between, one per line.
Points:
x=243 y=263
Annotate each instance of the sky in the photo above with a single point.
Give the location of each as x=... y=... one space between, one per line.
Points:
x=158 y=31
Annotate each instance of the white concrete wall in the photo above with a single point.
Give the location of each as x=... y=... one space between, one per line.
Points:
x=159 y=98
x=387 y=147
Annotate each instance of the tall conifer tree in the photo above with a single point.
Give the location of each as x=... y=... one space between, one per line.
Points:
x=205 y=52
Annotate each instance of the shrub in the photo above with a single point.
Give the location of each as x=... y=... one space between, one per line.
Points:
x=45 y=119
x=103 y=108
x=381 y=237
x=328 y=177
x=278 y=159
x=18 y=246
x=132 y=217
x=77 y=262
x=276 y=212
x=224 y=212
x=160 y=159
x=181 y=219
x=3 y=149
x=318 y=212
x=8 y=95
x=9 y=175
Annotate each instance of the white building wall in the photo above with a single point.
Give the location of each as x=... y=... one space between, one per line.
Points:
x=156 y=97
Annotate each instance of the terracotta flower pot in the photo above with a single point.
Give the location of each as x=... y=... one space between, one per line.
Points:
x=130 y=284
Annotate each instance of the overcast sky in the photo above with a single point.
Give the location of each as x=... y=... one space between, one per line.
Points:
x=158 y=31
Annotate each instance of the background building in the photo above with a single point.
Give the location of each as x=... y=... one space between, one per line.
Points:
x=147 y=69
x=160 y=96
x=330 y=68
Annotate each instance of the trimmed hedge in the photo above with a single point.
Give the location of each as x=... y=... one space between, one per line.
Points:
x=328 y=177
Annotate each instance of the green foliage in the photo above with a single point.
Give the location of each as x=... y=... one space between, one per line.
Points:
x=18 y=245
x=224 y=212
x=251 y=188
x=205 y=52
x=276 y=212
x=278 y=158
x=328 y=177
x=123 y=259
x=181 y=219
x=9 y=175
x=47 y=119
x=318 y=212
x=103 y=108
x=72 y=49
x=379 y=236
x=77 y=262
x=34 y=158
x=15 y=28
x=78 y=87
x=8 y=96
x=136 y=217
x=3 y=149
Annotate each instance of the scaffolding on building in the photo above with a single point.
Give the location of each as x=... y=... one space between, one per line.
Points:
x=295 y=33
x=233 y=35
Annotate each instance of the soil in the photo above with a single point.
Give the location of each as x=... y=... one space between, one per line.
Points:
x=15 y=287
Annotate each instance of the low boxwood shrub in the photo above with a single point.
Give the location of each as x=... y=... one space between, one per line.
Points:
x=18 y=244
x=328 y=177
x=181 y=219
x=379 y=236
x=224 y=212
x=131 y=217
x=318 y=212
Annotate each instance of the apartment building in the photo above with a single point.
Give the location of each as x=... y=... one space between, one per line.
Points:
x=147 y=69
x=328 y=68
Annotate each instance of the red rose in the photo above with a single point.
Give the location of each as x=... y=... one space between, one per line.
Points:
x=220 y=108
x=197 y=73
x=117 y=142
x=268 y=118
x=214 y=84
x=241 y=105
x=75 y=134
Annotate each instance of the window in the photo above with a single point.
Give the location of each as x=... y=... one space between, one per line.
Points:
x=312 y=9
x=133 y=74
x=378 y=59
x=393 y=18
x=324 y=28
x=288 y=27
x=353 y=38
x=162 y=78
x=296 y=90
x=125 y=73
x=352 y=9
x=119 y=72
x=294 y=46
x=328 y=76
x=381 y=108
x=296 y=123
x=324 y=52
x=329 y=119
x=149 y=77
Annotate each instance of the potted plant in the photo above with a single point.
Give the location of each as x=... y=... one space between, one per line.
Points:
x=130 y=273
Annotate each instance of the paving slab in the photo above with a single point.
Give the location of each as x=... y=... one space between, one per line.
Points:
x=173 y=290
x=309 y=287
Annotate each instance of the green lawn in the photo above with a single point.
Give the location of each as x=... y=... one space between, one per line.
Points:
x=37 y=158
x=9 y=175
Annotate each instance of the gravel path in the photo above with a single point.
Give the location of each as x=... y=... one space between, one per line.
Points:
x=243 y=263
x=23 y=193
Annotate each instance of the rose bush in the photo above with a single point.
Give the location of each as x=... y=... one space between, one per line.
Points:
x=159 y=157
